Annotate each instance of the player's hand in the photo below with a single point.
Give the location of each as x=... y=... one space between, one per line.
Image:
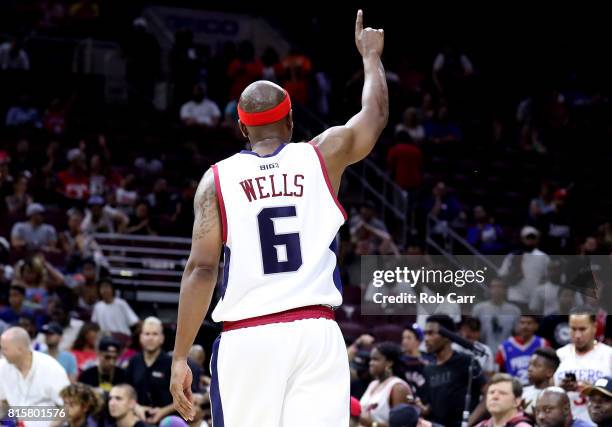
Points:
x=369 y=41
x=365 y=340
x=568 y=384
x=180 y=387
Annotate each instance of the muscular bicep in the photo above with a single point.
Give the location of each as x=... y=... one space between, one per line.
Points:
x=206 y=237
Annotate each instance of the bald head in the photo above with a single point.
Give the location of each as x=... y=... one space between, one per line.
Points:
x=261 y=96
x=16 y=344
x=553 y=408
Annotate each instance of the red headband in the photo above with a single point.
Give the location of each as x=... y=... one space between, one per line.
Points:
x=266 y=117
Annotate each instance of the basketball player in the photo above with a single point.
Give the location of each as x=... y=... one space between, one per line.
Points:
x=281 y=359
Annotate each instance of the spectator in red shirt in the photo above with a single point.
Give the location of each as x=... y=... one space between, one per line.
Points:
x=74 y=182
x=296 y=71
x=405 y=161
x=244 y=70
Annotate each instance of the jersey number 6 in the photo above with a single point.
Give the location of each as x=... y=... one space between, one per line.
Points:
x=281 y=253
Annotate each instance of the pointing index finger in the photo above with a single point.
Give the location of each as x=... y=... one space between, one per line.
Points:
x=359 y=22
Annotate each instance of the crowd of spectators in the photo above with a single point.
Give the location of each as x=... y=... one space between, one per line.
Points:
x=63 y=319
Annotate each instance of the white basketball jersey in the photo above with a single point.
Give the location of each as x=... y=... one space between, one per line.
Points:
x=280 y=220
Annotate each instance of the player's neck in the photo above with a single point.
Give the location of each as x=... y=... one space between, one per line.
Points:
x=586 y=349
x=268 y=145
x=443 y=355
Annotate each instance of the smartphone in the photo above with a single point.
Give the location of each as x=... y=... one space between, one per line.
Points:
x=570 y=376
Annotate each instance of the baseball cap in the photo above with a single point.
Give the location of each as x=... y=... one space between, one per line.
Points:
x=53 y=328
x=416 y=330
x=34 y=208
x=602 y=385
x=403 y=415
x=74 y=154
x=528 y=230
x=109 y=344
x=355 y=407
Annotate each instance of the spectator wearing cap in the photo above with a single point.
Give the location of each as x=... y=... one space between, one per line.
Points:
x=447 y=378
x=469 y=328
x=553 y=410
x=82 y=405
x=16 y=306
x=200 y=111
x=29 y=377
x=53 y=334
x=112 y=313
x=122 y=405
x=149 y=373
x=388 y=389
x=525 y=269
x=414 y=365
x=503 y=401
x=600 y=401
x=542 y=366
x=106 y=373
x=34 y=234
x=101 y=218
x=74 y=181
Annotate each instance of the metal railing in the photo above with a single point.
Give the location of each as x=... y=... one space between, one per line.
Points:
x=448 y=242
x=375 y=183
x=146 y=268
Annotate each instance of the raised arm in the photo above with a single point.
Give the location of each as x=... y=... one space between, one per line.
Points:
x=344 y=145
x=197 y=286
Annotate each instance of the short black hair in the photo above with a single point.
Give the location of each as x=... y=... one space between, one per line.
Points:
x=18 y=288
x=443 y=320
x=550 y=356
x=392 y=352
x=106 y=280
x=472 y=323
x=585 y=310
x=535 y=317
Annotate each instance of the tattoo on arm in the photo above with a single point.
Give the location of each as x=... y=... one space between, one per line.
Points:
x=206 y=207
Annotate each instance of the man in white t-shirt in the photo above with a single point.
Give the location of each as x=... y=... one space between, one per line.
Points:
x=524 y=272
x=200 y=111
x=28 y=378
x=113 y=314
x=583 y=361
